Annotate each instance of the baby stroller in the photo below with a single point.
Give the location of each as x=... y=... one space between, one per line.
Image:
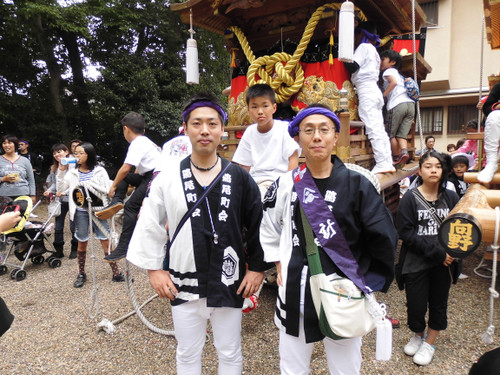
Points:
x=27 y=241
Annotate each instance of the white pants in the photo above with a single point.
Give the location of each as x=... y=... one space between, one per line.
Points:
x=370 y=112
x=190 y=325
x=343 y=356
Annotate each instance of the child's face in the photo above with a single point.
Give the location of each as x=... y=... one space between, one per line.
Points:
x=385 y=63
x=459 y=169
x=261 y=110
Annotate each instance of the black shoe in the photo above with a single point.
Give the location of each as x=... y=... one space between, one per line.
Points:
x=109 y=211
x=74 y=250
x=116 y=255
x=80 y=280
x=118 y=278
x=59 y=251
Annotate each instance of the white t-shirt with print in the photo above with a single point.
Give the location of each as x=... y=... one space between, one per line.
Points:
x=143 y=154
x=266 y=154
x=398 y=94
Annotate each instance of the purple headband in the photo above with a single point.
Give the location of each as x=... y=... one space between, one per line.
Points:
x=207 y=103
x=369 y=38
x=293 y=127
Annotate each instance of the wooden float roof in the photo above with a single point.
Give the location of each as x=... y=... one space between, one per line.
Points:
x=492 y=20
x=291 y=16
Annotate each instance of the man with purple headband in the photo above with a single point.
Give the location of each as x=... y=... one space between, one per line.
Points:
x=365 y=71
x=201 y=204
x=322 y=188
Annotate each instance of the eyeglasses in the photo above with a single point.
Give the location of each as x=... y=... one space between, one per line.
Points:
x=324 y=130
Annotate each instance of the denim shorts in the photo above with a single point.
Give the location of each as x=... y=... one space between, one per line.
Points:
x=81 y=221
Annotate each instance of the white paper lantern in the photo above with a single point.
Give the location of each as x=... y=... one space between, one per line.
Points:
x=192 y=70
x=346 y=32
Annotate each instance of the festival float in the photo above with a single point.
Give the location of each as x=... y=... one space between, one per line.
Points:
x=293 y=46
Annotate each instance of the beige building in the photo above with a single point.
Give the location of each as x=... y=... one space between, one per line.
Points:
x=453 y=49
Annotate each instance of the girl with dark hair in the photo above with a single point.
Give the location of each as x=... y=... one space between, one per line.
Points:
x=427 y=270
x=15 y=171
x=60 y=151
x=86 y=171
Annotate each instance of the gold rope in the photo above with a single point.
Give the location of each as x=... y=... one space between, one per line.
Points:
x=282 y=71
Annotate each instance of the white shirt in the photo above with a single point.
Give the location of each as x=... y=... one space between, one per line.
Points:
x=178 y=147
x=368 y=59
x=266 y=154
x=143 y=154
x=398 y=93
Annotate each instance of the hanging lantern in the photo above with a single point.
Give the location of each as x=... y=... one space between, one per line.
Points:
x=192 y=69
x=346 y=32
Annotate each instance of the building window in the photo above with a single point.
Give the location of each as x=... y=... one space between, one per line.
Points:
x=459 y=116
x=432 y=120
x=430 y=8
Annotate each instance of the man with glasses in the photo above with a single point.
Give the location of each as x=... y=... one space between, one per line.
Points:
x=356 y=211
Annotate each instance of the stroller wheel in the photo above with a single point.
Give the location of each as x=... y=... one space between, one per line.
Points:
x=54 y=263
x=20 y=275
x=38 y=259
x=49 y=259
x=13 y=273
x=3 y=270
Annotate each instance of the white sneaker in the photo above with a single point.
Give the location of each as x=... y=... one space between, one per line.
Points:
x=463 y=276
x=424 y=355
x=413 y=345
x=383 y=169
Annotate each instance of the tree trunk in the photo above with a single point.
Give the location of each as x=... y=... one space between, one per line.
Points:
x=55 y=83
x=80 y=88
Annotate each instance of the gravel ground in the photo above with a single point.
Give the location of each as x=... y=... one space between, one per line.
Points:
x=53 y=332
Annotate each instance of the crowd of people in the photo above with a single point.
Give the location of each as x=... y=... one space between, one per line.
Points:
x=208 y=228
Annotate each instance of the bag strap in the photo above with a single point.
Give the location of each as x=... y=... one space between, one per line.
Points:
x=326 y=227
x=418 y=195
x=311 y=248
x=190 y=211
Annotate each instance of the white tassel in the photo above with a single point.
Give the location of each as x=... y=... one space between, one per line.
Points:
x=378 y=311
x=346 y=32
x=383 y=350
x=192 y=71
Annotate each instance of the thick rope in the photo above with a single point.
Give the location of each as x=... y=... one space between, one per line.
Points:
x=281 y=70
x=95 y=307
x=137 y=308
x=418 y=122
x=479 y=150
x=365 y=172
x=487 y=337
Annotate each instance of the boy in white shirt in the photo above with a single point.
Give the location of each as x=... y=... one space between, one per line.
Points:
x=266 y=150
x=400 y=108
x=144 y=155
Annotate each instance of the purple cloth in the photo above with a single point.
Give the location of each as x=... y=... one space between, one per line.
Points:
x=369 y=38
x=195 y=105
x=326 y=228
x=293 y=127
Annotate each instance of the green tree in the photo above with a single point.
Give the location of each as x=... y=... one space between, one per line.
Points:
x=138 y=47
